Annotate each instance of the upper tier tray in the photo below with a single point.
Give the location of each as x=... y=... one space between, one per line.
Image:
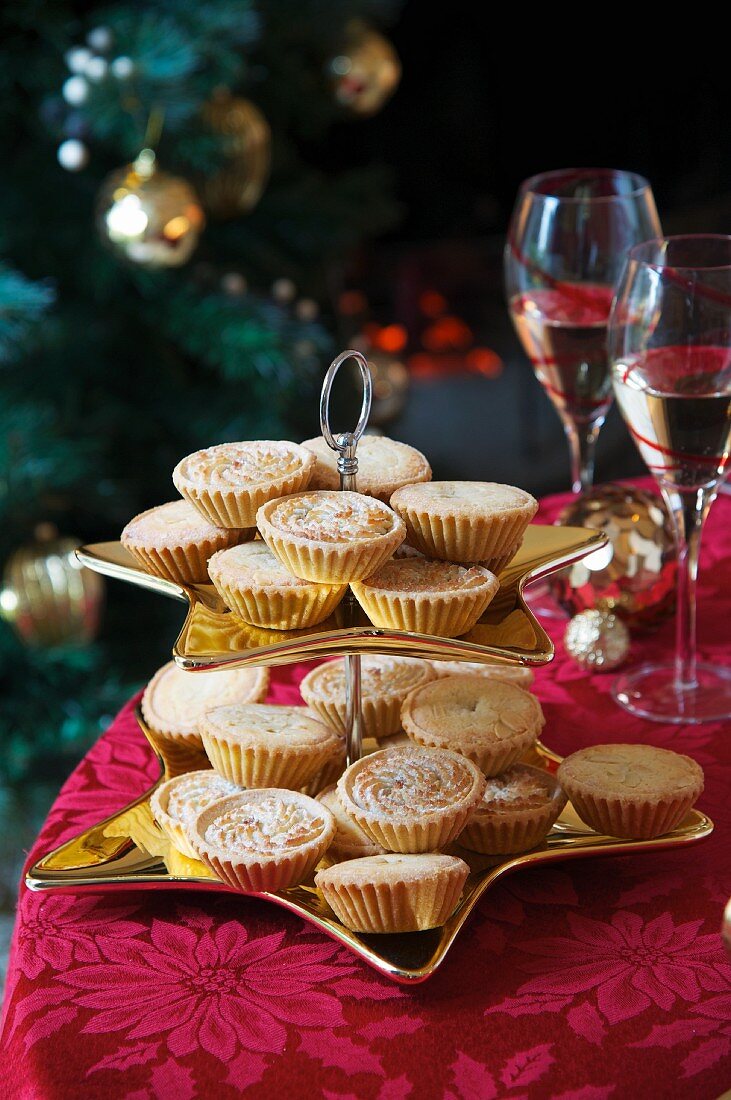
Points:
x=212 y=637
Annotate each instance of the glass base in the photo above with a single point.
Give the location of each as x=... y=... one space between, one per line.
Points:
x=651 y=692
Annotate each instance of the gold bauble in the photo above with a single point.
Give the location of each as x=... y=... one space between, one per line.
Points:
x=149 y=217
x=47 y=595
x=367 y=70
x=597 y=640
x=237 y=187
x=634 y=574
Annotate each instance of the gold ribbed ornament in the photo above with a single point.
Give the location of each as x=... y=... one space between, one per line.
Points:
x=48 y=597
x=237 y=187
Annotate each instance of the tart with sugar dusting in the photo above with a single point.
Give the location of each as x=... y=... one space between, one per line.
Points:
x=510 y=674
x=488 y=721
x=176 y=803
x=394 y=893
x=254 y=584
x=384 y=465
x=516 y=812
x=330 y=537
x=349 y=842
x=174 y=701
x=632 y=791
x=229 y=482
x=264 y=840
x=175 y=541
x=385 y=683
x=411 y=799
x=427 y=597
x=261 y=745
x=465 y=521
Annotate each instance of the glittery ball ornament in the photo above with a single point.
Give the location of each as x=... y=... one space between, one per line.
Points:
x=47 y=596
x=366 y=72
x=597 y=640
x=149 y=217
x=238 y=184
x=634 y=574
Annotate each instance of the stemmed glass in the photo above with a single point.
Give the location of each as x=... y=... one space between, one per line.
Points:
x=670 y=350
x=568 y=239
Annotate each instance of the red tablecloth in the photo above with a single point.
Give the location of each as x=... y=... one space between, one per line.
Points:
x=594 y=979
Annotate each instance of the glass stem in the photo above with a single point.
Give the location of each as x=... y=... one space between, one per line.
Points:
x=582 y=443
x=688 y=511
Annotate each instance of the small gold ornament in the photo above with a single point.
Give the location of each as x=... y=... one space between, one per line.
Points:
x=237 y=187
x=366 y=72
x=597 y=640
x=149 y=217
x=47 y=596
x=634 y=574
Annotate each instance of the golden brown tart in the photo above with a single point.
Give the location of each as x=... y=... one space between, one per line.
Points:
x=254 y=584
x=262 y=745
x=263 y=840
x=426 y=597
x=176 y=803
x=465 y=521
x=411 y=799
x=516 y=811
x=394 y=893
x=632 y=791
x=349 y=842
x=229 y=482
x=489 y=721
x=175 y=541
x=330 y=537
x=385 y=683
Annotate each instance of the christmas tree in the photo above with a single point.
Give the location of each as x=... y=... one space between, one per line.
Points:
x=166 y=247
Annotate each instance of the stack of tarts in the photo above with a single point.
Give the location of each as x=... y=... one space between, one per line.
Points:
x=264 y=522
x=259 y=793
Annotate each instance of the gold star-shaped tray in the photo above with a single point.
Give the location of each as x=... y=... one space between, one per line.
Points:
x=129 y=851
x=212 y=637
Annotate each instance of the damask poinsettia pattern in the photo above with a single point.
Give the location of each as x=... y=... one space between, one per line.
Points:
x=584 y=981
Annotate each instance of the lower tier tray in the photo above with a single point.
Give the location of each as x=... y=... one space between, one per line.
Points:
x=211 y=637
x=128 y=851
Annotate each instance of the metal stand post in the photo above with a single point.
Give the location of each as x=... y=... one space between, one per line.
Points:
x=345 y=445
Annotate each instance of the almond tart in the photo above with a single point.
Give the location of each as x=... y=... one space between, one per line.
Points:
x=349 y=842
x=394 y=893
x=176 y=803
x=631 y=791
x=175 y=541
x=516 y=811
x=384 y=465
x=257 y=588
x=260 y=745
x=411 y=799
x=465 y=521
x=428 y=597
x=263 y=840
x=174 y=700
x=385 y=683
x=488 y=721
x=229 y=482
x=330 y=537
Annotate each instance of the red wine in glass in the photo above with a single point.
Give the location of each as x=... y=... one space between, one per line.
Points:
x=676 y=402
x=563 y=331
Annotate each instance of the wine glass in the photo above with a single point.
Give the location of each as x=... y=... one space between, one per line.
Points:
x=567 y=242
x=670 y=350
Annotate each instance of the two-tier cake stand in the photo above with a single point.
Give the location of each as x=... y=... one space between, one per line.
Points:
x=129 y=851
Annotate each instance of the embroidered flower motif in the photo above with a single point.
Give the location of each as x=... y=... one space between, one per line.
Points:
x=627 y=963
x=219 y=991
